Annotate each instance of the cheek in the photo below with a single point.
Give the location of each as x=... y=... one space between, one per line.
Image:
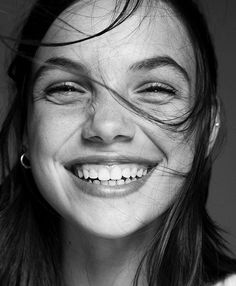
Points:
x=49 y=140
x=177 y=151
x=47 y=136
x=181 y=157
x=49 y=132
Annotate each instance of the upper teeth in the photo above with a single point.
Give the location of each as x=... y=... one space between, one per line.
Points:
x=114 y=172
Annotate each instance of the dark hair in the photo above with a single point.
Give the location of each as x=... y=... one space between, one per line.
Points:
x=187 y=249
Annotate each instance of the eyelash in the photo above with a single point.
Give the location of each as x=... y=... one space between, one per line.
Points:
x=71 y=92
x=63 y=88
x=158 y=88
x=69 y=87
x=66 y=93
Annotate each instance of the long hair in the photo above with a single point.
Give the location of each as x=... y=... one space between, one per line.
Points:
x=187 y=249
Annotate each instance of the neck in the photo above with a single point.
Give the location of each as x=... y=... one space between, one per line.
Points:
x=93 y=260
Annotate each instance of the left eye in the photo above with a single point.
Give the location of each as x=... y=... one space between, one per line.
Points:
x=156 y=93
x=157 y=88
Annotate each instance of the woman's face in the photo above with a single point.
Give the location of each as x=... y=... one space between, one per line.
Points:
x=78 y=132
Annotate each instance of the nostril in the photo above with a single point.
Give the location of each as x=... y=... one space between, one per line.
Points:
x=95 y=139
x=120 y=138
x=107 y=139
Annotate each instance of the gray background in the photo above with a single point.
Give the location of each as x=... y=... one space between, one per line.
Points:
x=222 y=20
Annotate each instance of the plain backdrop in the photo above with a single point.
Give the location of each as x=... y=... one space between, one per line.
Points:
x=221 y=16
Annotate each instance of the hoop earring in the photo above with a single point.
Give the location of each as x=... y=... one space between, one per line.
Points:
x=23 y=161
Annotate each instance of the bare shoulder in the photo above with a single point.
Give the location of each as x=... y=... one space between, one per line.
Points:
x=229 y=281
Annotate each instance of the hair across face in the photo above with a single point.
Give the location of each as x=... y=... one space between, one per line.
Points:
x=74 y=114
x=135 y=80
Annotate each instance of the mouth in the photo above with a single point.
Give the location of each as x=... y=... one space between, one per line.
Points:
x=110 y=178
x=112 y=175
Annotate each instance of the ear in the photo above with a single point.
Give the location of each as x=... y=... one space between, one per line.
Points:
x=214 y=130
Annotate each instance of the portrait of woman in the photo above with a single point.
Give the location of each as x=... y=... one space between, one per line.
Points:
x=107 y=147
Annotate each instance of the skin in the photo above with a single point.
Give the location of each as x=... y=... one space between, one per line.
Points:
x=104 y=238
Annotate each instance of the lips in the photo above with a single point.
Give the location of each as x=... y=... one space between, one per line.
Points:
x=109 y=189
x=110 y=176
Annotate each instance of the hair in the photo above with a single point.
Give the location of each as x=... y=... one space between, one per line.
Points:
x=188 y=248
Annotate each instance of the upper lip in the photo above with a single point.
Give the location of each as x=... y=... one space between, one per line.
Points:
x=112 y=160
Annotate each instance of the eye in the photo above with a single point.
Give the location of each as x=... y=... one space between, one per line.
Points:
x=157 y=88
x=66 y=92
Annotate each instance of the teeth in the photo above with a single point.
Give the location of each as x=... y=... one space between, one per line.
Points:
x=140 y=173
x=126 y=173
x=115 y=173
x=133 y=172
x=103 y=174
x=112 y=183
x=110 y=173
x=80 y=174
x=86 y=173
x=93 y=174
x=120 y=182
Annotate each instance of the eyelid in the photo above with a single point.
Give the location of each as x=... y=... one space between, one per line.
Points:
x=160 y=85
x=65 y=84
x=66 y=93
x=56 y=76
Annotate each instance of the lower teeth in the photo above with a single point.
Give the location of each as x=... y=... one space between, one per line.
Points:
x=111 y=182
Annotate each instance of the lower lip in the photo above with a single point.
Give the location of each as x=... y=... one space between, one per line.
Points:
x=106 y=191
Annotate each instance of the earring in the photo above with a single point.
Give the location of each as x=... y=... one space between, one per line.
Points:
x=24 y=160
x=217 y=124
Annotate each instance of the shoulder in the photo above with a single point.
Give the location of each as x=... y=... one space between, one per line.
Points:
x=229 y=281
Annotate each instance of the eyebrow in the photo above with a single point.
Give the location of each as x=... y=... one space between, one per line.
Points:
x=61 y=63
x=159 y=61
x=74 y=66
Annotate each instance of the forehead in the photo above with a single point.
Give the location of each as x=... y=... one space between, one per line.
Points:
x=150 y=31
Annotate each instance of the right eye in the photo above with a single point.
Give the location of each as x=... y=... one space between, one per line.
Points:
x=66 y=93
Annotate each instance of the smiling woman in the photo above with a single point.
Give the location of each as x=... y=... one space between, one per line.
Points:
x=115 y=119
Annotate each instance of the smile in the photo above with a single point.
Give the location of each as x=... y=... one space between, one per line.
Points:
x=110 y=175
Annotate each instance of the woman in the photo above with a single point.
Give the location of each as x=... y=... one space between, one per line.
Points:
x=114 y=123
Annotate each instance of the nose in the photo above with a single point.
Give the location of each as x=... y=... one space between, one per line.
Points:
x=109 y=123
